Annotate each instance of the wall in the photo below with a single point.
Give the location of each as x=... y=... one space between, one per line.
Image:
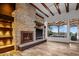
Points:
x=39 y=19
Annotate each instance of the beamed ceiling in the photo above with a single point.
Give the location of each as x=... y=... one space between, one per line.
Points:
x=52 y=9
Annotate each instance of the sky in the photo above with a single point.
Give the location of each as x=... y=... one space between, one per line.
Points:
x=63 y=29
x=73 y=29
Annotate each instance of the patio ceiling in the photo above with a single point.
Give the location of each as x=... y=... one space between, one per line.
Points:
x=53 y=11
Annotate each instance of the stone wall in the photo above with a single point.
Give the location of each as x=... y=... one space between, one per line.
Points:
x=39 y=19
x=25 y=15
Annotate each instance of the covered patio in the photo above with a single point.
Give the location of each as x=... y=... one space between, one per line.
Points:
x=39 y=29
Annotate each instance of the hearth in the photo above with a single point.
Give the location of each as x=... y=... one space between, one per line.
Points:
x=26 y=36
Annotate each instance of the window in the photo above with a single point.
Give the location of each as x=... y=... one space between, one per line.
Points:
x=57 y=31
x=73 y=33
x=63 y=29
x=52 y=30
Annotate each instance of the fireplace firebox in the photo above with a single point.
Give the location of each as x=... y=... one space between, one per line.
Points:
x=26 y=36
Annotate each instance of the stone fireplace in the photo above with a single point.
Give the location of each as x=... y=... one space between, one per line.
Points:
x=25 y=31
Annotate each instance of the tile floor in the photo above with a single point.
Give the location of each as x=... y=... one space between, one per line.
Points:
x=53 y=49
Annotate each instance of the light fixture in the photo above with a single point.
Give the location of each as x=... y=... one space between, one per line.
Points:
x=1 y=34
x=1 y=43
x=7 y=33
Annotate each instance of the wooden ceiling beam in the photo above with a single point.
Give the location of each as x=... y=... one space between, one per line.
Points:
x=77 y=6
x=39 y=16
x=67 y=7
x=47 y=8
x=38 y=9
x=57 y=7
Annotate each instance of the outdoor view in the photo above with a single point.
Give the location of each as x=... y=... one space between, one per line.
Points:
x=57 y=31
x=73 y=33
x=61 y=31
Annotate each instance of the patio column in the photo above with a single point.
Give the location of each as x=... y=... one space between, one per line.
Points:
x=78 y=32
x=46 y=29
x=68 y=30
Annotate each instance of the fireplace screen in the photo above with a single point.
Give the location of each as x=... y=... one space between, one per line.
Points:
x=26 y=36
x=39 y=34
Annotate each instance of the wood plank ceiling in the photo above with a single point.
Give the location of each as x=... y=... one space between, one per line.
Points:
x=52 y=9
